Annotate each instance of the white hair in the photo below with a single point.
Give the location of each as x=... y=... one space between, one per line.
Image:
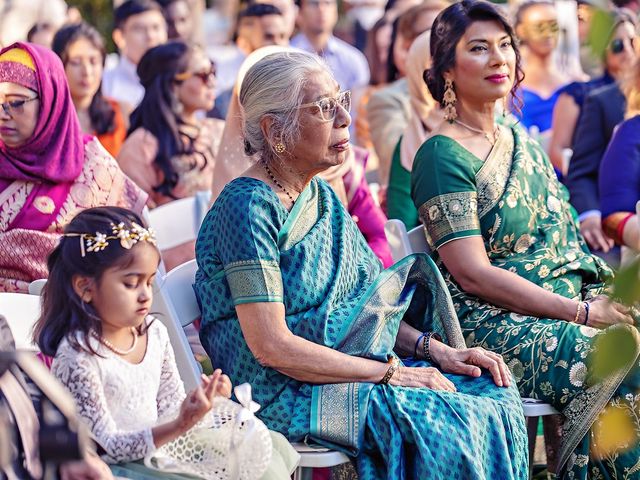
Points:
x=274 y=87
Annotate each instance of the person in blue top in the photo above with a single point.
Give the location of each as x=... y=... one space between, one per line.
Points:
x=538 y=30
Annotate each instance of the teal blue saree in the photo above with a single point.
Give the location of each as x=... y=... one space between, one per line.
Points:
x=335 y=293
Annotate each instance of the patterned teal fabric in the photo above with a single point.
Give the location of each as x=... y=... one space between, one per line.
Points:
x=514 y=202
x=336 y=294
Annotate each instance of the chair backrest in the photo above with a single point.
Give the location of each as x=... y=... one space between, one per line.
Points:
x=177 y=287
x=177 y=305
x=403 y=243
x=22 y=312
x=35 y=287
x=179 y=221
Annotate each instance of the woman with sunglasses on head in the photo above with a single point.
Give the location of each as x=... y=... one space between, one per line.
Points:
x=536 y=25
x=620 y=53
x=82 y=51
x=49 y=170
x=295 y=303
x=170 y=150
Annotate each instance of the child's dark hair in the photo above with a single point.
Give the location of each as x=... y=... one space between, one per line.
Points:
x=64 y=313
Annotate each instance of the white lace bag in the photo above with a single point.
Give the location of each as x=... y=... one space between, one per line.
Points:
x=229 y=444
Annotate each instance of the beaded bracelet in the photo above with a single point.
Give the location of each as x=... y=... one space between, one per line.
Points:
x=426 y=345
x=415 y=349
x=586 y=316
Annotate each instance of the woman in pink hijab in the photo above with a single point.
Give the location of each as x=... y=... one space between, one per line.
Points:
x=48 y=169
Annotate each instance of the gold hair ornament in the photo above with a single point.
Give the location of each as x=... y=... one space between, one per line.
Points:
x=128 y=237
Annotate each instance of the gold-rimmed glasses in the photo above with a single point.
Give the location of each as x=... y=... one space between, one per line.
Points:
x=16 y=106
x=328 y=106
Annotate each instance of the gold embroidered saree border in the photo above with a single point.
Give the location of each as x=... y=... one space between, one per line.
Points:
x=492 y=178
x=12 y=200
x=255 y=281
x=583 y=411
x=449 y=214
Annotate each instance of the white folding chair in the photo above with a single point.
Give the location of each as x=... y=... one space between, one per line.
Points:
x=35 y=287
x=177 y=222
x=405 y=243
x=22 y=312
x=180 y=307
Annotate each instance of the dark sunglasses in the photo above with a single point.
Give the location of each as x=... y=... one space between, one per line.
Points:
x=617 y=45
x=206 y=76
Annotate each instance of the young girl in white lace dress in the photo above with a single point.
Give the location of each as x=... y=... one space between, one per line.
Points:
x=116 y=359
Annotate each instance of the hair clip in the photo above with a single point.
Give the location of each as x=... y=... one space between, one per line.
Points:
x=128 y=237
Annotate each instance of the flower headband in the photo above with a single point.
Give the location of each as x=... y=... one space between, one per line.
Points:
x=128 y=237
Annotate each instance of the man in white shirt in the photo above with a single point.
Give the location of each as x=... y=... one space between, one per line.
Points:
x=138 y=26
x=317 y=19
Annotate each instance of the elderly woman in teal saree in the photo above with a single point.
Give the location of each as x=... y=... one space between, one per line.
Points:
x=295 y=302
x=522 y=280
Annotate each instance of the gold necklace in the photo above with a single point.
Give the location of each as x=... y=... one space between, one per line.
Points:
x=278 y=184
x=481 y=132
x=115 y=349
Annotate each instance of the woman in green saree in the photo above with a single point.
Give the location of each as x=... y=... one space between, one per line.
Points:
x=295 y=302
x=522 y=280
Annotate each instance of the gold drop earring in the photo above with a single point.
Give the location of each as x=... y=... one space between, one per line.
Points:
x=449 y=99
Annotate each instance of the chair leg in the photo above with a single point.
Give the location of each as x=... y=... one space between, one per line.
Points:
x=532 y=432
x=552 y=425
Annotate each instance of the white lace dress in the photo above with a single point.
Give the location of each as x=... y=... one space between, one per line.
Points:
x=121 y=401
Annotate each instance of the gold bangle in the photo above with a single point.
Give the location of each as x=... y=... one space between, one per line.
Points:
x=578 y=313
x=394 y=364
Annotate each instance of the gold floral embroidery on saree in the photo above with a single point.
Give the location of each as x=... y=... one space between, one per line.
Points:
x=449 y=213
x=491 y=179
x=12 y=201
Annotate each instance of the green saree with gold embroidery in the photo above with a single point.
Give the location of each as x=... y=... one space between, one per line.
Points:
x=514 y=201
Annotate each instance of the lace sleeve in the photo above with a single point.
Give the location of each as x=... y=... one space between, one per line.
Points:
x=79 y=373
x=171 y=392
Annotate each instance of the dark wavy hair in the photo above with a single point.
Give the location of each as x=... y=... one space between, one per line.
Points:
x=64 y=314
x=157 y=110
x=101 y=112
x=447 y=30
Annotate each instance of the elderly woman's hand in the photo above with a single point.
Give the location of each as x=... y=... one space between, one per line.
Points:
x=428 y=377
x=469 y=361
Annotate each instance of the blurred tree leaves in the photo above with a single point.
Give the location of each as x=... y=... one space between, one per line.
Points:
x=626 y=286
x=98 y=13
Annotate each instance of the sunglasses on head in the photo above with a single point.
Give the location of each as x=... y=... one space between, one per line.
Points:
x=617 y=45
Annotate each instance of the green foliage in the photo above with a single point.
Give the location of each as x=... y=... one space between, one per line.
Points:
x=98 y=13
x=626 y=287
x=601 y=26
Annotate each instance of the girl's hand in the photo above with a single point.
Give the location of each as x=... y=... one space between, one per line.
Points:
x=422 y=377
x=224 y=384
x=199 y=402
x=603 y=313
x=469 y=361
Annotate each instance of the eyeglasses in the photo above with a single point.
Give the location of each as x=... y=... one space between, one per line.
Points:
x=16 y=106
x=617 y=45
x=328 y=106
x=549 y=28
x=207 y=76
